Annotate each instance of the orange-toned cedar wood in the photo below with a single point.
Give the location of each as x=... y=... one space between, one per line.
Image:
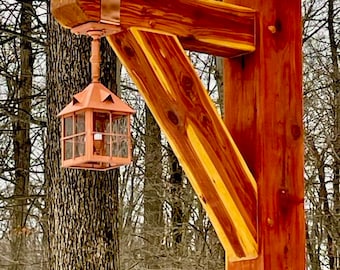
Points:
x=263 y=111
x=205 y=26
x=71 y=13
x=182 y=108
x=202 y=25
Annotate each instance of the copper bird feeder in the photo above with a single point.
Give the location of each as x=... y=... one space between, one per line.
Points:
x=95 y=131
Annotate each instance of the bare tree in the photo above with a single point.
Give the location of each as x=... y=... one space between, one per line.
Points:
x=160 y=206
x=21 y=137
x=153 y=198
x=321 y=93
x=21 y=132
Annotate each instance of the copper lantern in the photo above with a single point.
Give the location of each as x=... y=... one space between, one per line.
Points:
x=95 y=126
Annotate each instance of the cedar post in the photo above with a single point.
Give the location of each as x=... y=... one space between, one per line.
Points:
x=263 y=112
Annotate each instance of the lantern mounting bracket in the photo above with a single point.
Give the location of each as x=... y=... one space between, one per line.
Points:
x=96 y=31
x=93 y=28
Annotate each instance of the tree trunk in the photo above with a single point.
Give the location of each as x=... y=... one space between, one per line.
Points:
x=334 y=235
x=21 y=139
x=177 y=209
x=83 y=205
x=176 y=182
x=153 y=215
x=219 y=81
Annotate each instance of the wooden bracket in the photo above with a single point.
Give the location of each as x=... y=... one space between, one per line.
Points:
x=201 y=25
x=180 y=103
x=260 y=223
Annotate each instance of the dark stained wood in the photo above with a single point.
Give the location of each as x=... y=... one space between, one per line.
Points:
x=206 y=26
x=263 y=111
x=184 y=111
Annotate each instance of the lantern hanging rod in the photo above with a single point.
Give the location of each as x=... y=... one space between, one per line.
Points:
x=96 y=31
x=95 y=55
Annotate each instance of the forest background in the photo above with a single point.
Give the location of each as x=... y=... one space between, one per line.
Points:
x=145 y=215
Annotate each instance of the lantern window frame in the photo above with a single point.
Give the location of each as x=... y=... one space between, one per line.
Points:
x=88 y=159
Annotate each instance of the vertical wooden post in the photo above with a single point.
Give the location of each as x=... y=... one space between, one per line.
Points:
x=263 y=111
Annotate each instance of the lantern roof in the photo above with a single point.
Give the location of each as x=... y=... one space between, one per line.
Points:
x=96 y=96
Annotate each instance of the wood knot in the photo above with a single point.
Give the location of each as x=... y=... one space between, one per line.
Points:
x=270 y=222
x=276 y=28
x=144 y=11
x=129 y=51
x=187 y=82
x=198 y=14
x=287 y=200
x=272 y=29
x=278 y=25
x=118 y=41
x=205 y=120
x=173 y=117
x=152 y=23
x=295 y=131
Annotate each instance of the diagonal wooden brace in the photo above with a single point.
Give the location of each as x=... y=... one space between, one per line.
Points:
x=180 y=103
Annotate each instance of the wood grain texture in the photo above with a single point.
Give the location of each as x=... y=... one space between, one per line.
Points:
x=184 y=111
x=71 y=13
x=202 y=25
x=267 y=85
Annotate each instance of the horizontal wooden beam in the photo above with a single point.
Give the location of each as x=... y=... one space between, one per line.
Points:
x=179 y=102
x=202 y=25
x=71 y=13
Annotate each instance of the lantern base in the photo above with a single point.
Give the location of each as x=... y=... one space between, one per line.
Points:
x=93 y=165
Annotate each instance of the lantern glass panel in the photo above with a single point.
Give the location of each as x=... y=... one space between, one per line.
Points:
x=106 y=145
x=101 y=141
x=68 y=149
x=119 y=124
x=101 y=122
x=120 y=146
x=101 y=144
x=79 y=146
x=68 y=126
x=98 y=144
x=80 y=123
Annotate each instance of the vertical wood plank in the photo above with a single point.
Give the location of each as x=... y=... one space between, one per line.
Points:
x=263 y=111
